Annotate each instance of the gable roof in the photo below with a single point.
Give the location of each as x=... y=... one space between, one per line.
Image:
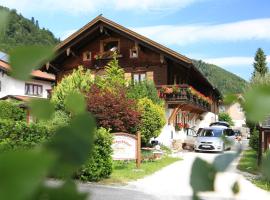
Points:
x=167 y=51
x=35 y=74
x=100 y=18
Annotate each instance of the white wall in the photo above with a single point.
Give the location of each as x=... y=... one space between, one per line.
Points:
x=168 y=133
x=11 y=86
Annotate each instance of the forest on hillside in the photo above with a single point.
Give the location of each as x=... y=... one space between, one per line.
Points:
x=22 y=31
x=226 y=82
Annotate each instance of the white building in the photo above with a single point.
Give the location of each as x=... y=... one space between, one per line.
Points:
x=39 y=86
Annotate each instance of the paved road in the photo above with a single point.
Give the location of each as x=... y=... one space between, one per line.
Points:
x=172 y=183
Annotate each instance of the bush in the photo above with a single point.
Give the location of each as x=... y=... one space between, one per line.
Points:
x=11 y=111
x=254 y=140
x=14 y=135
x=80 y=80
x=152 y=119
x=113 y=111
x=100 y=163
x=225 y=117
x=59 y=119
x=144 y=89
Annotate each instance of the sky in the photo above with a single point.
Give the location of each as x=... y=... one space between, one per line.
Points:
x=222 y=32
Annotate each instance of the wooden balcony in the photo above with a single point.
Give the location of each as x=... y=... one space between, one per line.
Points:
x=184 y=97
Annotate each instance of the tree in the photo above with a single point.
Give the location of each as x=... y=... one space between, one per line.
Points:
x=114 y=77
x=113 y=110
x=145 y=89
x=152 y=119
x=33 y=20
x=37 y=24
x=225 y=117
x=260 y=65
x=79 y=81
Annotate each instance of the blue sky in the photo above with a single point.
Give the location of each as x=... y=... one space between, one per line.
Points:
x=222 y=32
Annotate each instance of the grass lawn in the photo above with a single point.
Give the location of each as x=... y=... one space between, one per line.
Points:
x=127 y=171
x=248 y=163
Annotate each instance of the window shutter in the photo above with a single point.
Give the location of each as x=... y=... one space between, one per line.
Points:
x=150 y=76
x=128 y=76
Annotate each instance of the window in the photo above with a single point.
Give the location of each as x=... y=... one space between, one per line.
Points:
x=138 y=77
x=33 y=89
x=133 y=53
x=86 y=55
x=110 y=45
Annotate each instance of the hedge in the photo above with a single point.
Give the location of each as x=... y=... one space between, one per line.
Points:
x=18 y=134
x=11 y=111
x=99 y=164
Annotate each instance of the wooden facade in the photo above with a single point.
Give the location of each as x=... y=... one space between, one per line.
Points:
x=140 y=57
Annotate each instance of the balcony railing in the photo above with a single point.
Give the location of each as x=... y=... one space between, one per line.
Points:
x=184 y=93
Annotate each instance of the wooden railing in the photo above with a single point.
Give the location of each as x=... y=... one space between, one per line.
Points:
x=184 y=93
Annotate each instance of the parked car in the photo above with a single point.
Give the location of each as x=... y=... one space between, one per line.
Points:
x=220 y=123
x=210 y=139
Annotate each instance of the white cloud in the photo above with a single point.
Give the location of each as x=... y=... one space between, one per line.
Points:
x=75 y=6
x=257 y=29
x=233 y=61
x=66 y=34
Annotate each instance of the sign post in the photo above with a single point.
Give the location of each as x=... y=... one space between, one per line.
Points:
x=138 y=155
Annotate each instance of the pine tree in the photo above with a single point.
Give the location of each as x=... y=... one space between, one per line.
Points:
x=33 y=20
x=260 y=65
x=37 y=25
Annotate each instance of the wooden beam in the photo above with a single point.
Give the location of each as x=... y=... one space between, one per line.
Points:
x=174 y=113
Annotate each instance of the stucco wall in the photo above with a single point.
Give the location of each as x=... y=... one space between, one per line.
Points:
x=11 y=86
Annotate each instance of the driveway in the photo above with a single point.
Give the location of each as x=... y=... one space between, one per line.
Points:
x=173 y=181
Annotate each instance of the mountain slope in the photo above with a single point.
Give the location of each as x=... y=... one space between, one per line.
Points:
x=22 y=31
x=226 y=82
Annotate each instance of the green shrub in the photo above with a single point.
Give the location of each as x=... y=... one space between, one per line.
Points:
x=254 y=140
x=59 y=119
x=12 y=111
x=152 y=119
x=18 y=134
x=100 y=163
x=144 y=89
x=225 y=117
x=79 y=81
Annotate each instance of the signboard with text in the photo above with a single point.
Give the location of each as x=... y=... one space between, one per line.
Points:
x=124 y=146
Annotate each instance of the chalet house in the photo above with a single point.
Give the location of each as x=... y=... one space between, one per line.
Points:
x=38 y=87
x=12 y=89
x=191 y=100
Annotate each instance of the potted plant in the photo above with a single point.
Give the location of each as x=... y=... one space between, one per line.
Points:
x=179 y=126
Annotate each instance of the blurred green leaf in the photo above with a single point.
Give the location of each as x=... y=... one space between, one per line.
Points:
x=202 y=176
x=24 y=60
x=230 y=98
x=75 y=103
x=42 y=108
x=3 y=21
x=266 y=166
x=67 y=191
x=236 y=188
x=226 y=141
x=22 y=172
x=73 y=143
x=257 y=101
x=221 y=162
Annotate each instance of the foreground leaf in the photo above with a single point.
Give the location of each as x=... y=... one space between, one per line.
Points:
x=42 y=108
x=266 y=166
x=73 y=144
x=75 y=103
x=222 y=162
x=236 y=188
x=24 y=60
x=257 y=101
x=202 y=176
x=22 y=172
